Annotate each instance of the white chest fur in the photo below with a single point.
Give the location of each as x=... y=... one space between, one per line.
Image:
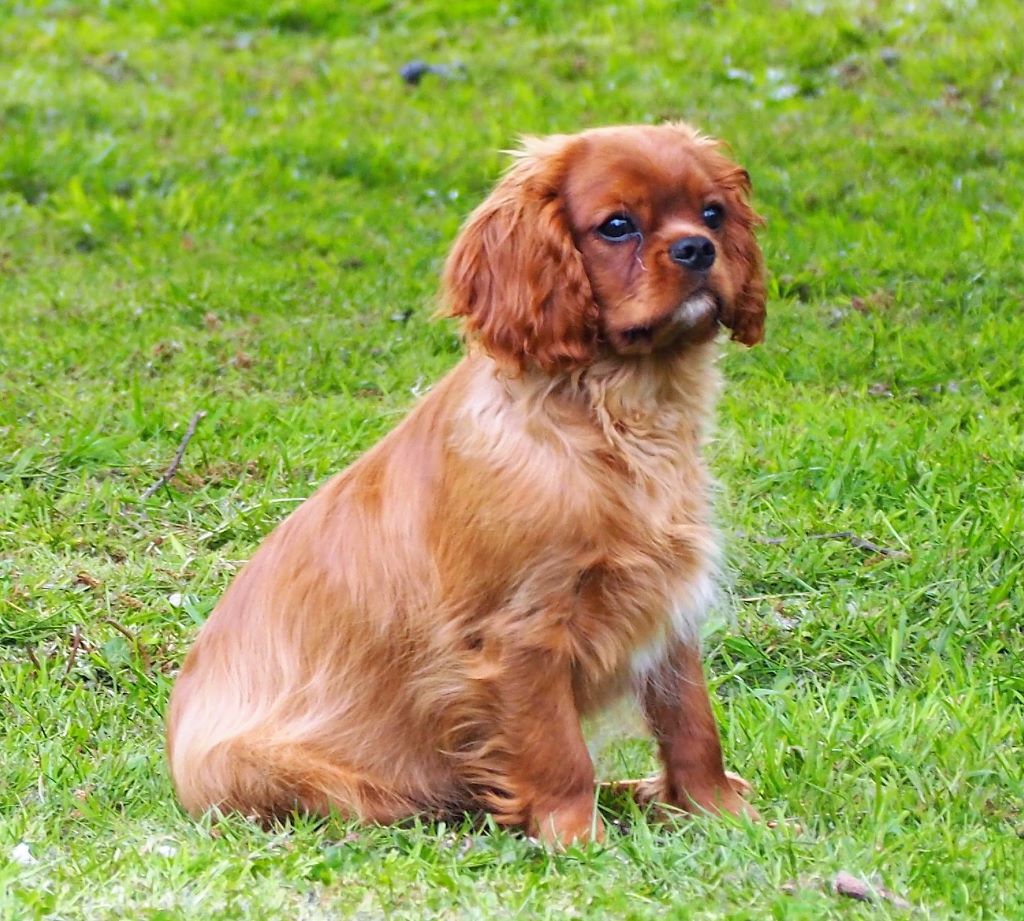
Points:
x=686 y=613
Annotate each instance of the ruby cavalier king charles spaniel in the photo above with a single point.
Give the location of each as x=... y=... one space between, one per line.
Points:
x=424 y=634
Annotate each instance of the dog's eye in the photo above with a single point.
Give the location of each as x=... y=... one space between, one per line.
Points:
x=617 y=227
x=713 y=216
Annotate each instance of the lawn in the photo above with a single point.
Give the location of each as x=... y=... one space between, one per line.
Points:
x=240 y=208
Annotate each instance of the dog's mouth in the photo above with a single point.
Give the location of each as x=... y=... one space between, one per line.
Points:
x=700 y=312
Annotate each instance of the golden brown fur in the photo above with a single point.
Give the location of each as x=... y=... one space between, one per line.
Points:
x=425 y=632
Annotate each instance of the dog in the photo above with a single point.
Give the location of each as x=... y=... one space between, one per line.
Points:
x=423 y=635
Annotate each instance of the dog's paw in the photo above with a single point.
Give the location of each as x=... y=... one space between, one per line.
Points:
x=740 y=785
x=571 y=823
x=728 y=797
x=723 y=801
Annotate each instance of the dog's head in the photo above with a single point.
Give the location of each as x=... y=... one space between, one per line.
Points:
x=630 y=240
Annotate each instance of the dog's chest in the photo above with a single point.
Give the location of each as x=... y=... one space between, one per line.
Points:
x=653 y=576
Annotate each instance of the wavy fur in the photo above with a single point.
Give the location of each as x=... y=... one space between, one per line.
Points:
x=535 y=538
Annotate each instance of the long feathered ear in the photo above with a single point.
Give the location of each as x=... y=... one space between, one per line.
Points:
x=515 y=275
x=746 y=316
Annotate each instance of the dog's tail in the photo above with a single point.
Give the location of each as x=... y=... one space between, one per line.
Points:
x=270 y=779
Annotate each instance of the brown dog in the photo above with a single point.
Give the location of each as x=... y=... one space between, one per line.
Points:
x=424 y=633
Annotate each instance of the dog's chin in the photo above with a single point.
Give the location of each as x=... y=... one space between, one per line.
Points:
x=698 y=312
x=694 y=320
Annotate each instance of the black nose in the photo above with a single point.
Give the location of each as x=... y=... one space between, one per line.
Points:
x=694 y=253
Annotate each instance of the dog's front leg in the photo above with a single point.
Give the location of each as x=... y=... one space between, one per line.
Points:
x=676 y=703
x=548 y=768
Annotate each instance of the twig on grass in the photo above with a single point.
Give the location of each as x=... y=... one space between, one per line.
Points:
x=775 y=596
x=76 y=644
x=855 y=540
x=140 y=651
x=165 y=477
x=862 y=543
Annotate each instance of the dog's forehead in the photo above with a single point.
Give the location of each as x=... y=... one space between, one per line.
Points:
x=637 y=169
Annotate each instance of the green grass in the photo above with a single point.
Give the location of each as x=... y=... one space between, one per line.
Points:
x=238 y=207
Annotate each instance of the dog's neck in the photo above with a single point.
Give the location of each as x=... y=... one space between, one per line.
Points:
x=655 y=409
x=645 y=391
x=642 y=407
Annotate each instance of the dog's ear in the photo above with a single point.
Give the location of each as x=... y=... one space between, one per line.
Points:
x=515 y=275
x=746 y=315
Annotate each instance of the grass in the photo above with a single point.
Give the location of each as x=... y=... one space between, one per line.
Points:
x=240 y=208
